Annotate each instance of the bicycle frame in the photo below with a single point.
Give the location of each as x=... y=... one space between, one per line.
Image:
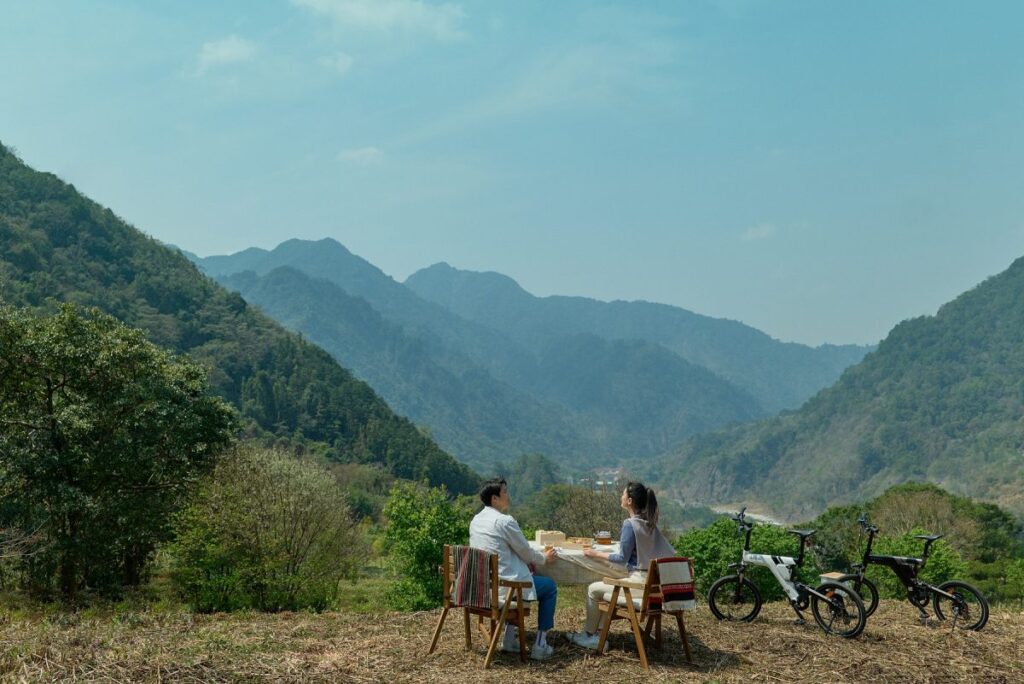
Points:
x=781 y=567
x=905 y=568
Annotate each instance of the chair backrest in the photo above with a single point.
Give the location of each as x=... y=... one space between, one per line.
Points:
x=669 y=586
x=470 y=577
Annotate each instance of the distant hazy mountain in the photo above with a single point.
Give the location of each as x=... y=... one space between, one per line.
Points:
x=779 y=375
x=56 y=246
x=468 y=411
x=940 y=400
x=580 y=398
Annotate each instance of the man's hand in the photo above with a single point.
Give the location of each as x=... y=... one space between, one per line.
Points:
x=550 y=555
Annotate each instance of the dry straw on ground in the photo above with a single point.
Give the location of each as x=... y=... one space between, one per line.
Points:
x=177 y=646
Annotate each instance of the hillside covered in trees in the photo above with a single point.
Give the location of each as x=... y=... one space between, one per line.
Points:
x=941 y=400
x=58 y=246
x=778 y=375
x=491 y=379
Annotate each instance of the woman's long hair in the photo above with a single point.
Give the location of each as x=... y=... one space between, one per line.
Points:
x=644 y=502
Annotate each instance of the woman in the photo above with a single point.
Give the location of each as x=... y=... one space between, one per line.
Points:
x=641 y=541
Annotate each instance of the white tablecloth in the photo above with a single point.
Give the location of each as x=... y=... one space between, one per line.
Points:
x=572 y=567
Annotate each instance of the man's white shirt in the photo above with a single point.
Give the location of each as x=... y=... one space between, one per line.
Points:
x=493 y=531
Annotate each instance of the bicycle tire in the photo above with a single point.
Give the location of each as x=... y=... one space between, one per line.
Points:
x=732 y=590
x=853 y=619
x=958 y=588
x=866 y=589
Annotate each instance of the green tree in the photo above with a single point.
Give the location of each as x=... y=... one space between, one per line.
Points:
x=268 y=531
x=420 y=521
x=103 y=433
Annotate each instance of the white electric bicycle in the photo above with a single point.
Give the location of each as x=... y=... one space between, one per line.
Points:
x=837 y=608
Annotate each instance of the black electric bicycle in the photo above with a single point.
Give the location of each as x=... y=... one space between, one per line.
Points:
x=953 y=599
x=837 y=608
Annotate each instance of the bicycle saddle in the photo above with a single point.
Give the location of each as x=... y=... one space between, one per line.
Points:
x=803 y=534
x=929 y=537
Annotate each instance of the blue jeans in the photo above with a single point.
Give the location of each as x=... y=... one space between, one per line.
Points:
x=547 y=596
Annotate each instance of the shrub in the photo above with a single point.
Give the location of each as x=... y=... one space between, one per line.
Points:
x=1015 y=580
x=714 y=547
x=420 y=521
x=267 y=531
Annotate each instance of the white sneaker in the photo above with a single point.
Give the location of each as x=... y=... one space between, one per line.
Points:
x=585 y=640
x=544 y=652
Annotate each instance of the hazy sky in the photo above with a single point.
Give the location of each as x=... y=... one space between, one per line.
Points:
x=820 y=170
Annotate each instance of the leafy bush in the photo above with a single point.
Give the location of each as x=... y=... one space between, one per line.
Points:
x=714 y=547
x=420 y=521
x=944 y=563
x=1015 y=580
x=266 y=531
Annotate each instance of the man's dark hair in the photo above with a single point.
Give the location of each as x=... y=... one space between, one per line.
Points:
x=492 y=488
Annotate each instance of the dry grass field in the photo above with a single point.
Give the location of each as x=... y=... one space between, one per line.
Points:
x=111 y=645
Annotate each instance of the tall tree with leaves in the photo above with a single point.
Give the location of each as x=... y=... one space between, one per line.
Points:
x=101 y=435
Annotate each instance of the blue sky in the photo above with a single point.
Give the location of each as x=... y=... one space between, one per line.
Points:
x=820 y=170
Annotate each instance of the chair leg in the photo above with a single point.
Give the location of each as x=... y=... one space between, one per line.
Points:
x=683 y=637
x=437 y=632
x=496 y=633
x=469 y=632
x=483 y=630
x=521 y=623
x=612 y=608
x=653 y=623
x=637 y=634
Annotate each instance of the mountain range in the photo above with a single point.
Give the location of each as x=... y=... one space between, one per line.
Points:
x=493 y=371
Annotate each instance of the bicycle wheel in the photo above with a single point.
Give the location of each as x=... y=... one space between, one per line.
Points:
x=842 y=614
x=968 y=608
x=734 y=598
x=866 y=589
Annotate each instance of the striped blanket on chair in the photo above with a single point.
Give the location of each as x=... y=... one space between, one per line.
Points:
x=472 y=586
x=676 y=578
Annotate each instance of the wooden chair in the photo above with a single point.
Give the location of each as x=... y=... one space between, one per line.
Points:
x=512 y=609
x=648 y=607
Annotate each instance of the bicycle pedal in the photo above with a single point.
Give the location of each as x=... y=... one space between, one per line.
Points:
x=799 y=621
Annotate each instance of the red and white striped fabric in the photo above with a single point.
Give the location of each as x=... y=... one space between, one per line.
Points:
x=472 y=582
x=676 y=577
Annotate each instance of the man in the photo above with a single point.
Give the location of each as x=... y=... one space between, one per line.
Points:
x=495 y=531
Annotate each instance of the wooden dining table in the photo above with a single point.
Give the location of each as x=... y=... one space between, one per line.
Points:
x=572 y=567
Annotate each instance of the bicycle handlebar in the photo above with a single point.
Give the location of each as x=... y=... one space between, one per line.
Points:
x=865 y=525
x=741 y=519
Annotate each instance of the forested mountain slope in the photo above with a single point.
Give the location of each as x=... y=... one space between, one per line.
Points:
x=778 y=375
x=56 y=245
x=579 y=398
x=470 y=413
x=941 y=400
